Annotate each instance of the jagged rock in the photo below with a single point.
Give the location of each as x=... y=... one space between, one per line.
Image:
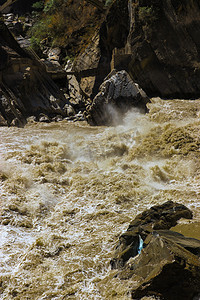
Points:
x=159 y=217
x=118 y=93
x=3 y=122
x=69 y=110
x=91 y=70
x=54 y=54
x=164 y=269
x=25 y=87
x=32 y=119
x=156 y=42
x=68 y=66
x=57 y=118
x=160 y=263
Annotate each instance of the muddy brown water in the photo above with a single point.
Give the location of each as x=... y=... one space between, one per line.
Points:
x=69 y=190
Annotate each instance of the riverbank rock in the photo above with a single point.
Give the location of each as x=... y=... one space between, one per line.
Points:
x=159 y=217
x=117 y=94
x=164 y=270
x=26 y=89
x=160 y=262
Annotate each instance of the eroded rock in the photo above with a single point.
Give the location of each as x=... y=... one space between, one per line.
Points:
x=156 y=42
x=161 y=263
x=118 y=93
x=159 y=217
x=26 y=88
x=164 y=269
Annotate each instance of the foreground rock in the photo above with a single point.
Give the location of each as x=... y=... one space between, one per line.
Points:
x=25 y=87
x=168 y=264
x=118 y=93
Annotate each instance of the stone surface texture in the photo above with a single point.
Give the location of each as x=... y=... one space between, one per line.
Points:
x=117 y=94
x=25 y=87
x=155 y=41
x=167 y=264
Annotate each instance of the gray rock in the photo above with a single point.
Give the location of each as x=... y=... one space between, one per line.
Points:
x=160 y=262
x=159 y=217
x=164 y=269
x=117 y=94
x=57 y=118
x=53 y=54
x=26 y=87
x=31 y=119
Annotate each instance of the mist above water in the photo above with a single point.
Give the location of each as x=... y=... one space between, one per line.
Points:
x=69 y=190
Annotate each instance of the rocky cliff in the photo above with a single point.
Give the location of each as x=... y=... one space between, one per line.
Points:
x=156 y=41
x=25 y=87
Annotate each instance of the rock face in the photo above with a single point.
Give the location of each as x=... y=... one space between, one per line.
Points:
x=165 y=46
x=168 y=264
x=25 y=87
x=117 y=94
x=156 y=42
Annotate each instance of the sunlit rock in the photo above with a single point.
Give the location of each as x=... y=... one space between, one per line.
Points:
x=163 y=263
x=26 y=89
x=164 y=269
x=160 y=217
x=118 y=93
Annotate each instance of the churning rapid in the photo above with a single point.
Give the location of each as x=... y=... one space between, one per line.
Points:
x=69 y=190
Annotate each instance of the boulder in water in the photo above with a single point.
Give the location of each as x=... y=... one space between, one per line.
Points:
x=117 y=94
x=159 y=217
x=164 y=269
x=161 y=262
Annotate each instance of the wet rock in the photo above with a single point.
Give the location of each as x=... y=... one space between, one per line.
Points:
x=57 y=118
x=32 y=119
x=117 y=94
x=159 y=217
x=164 y=269
x=160 y=262
x=44 y=118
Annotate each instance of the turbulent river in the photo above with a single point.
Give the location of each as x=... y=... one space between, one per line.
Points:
x=69 y=190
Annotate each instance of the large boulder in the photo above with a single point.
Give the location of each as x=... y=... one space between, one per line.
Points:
x=160 y=262
x=117 y=94
x=164 y=270
x=159 y=217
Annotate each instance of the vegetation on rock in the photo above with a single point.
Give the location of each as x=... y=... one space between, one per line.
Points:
x=64 y=23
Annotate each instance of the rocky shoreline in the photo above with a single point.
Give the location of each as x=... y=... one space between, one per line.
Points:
x=161 y=262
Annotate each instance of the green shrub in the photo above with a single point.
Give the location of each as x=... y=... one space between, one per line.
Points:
x=35 y=44
x=50 y=6
x=38 y=5
x=147 y=14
